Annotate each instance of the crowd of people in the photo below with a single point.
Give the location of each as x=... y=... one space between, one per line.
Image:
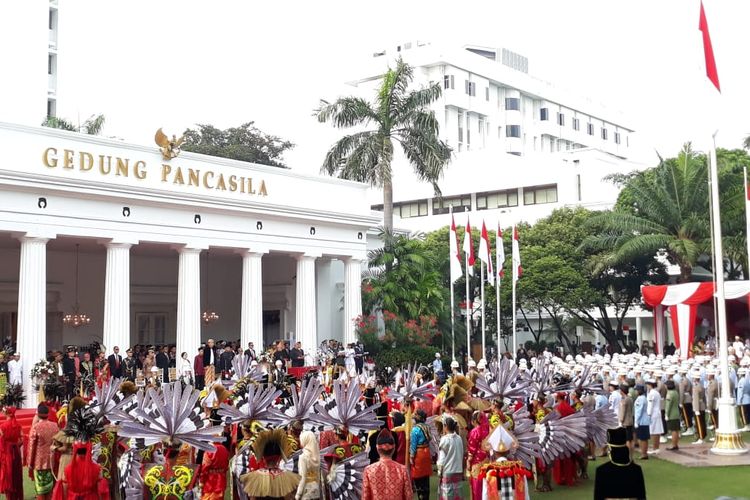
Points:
x=281 y=423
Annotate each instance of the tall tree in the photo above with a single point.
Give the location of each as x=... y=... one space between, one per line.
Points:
x=666 y=214
x=92 y=126
x=243 y=143
x=397 y=115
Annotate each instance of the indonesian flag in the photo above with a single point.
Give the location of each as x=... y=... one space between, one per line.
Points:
x=711 y=72
x=517 y=270
x=455 y=255
x=469 y=248
x=485 y=255
x=500 y=253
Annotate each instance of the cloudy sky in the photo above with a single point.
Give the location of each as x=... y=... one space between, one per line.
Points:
x=174 y=63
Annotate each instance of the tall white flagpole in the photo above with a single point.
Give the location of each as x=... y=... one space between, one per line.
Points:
x=728 y=438
x=515 y=340
x=451 y=234
x=497 y=312
x=484 y=351
x=468 y=315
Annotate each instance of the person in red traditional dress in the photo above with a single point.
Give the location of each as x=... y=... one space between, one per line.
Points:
x=213 y=473
x=477 y=455
x=83 y=477
x=543 y=471
x=564 y=469
x=11 y=465
x=386 y=479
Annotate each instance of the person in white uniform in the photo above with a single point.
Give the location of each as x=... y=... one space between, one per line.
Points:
x=653 y=408
x=15 y=369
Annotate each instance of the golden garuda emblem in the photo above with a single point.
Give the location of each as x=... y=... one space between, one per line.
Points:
x=169 y=148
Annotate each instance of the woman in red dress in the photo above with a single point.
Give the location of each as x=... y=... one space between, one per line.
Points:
x=11 y=466
x=564 y=469
x=477 y=455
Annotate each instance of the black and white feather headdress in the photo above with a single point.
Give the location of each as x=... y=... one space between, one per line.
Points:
x=348 y=412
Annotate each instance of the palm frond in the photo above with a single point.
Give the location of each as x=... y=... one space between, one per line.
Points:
x=346 y=112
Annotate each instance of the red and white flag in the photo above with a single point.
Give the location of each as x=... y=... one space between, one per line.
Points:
x=708 y=50
x=499 y=253
x=516 y=257
x=485 y=254
x=469 y=248
x=455 y=255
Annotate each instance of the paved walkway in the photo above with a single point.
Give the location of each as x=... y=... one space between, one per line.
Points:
x=690 y=455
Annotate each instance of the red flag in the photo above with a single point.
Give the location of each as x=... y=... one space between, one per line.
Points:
x=708 y=50
x=516 y=257
x=485 y=254
x=500 y=252
x=469 y=248
x=455 y=255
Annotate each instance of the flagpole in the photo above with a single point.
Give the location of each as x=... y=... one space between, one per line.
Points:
x=747 y=220
x=481 y=271
x=497 y=312
x=468 y=315
x=453 y=310
x=728 y=438
x=513 y=348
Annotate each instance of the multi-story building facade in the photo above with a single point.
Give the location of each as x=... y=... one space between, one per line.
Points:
x=28 y=33
x=522 y=146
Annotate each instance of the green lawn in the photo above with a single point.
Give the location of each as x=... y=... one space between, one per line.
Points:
x=664 y=481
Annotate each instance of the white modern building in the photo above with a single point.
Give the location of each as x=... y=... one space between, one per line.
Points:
x=144 y=246
x=522 y=146
x=28 y=35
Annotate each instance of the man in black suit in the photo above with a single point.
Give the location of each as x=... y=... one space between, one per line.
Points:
x=69 y=371
x=210 y=360
x=250 y=352
x=225 y=362
x=115 y=363
x=297 y=355
x=162 y=361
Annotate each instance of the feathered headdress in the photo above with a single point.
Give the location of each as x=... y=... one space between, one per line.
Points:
x=175 y=418
x=243 y=374
x=503 y=380
x=83 y=424
x=597 y=423
x=256 y=404
x=347 y=412
x=541 y=377
x=345 y=478
x=111 y=404
x=409 y=389
x=527 y=439
x=303 y=400
x=560 y=437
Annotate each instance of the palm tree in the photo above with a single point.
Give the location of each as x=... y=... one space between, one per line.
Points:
x=396 y=115
x=666 y=213
x=92 y=126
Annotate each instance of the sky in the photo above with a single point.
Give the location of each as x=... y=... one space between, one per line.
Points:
x=172 y=64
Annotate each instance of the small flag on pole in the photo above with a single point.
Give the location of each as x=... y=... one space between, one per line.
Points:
x=499 y=253
x=455 y=255
x=517 y=269
x=485 y=254
x=469 y=248
x=708 y=50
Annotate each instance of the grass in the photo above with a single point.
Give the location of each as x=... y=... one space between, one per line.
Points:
x=664 y=481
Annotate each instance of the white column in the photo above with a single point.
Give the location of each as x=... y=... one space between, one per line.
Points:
x=306 y=327
x=251 y=327
x=352 y=297
x=32 y=310
x=324 y=299
x=189 y=301
x=117 y=297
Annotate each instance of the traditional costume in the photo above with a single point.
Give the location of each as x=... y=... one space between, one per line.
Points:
x=11 y=465
x=38 y=453
x=620 y=477
x=270 y=482
x=386 y=479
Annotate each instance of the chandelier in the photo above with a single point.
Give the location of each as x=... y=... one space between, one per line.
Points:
x=209 y=315
x=76 y=318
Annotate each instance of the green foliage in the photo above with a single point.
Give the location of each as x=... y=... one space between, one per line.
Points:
x=397 y=114
x=405 y=355
x=243 y=143
x=92 y=126
x=403 y=279
x=665 y=211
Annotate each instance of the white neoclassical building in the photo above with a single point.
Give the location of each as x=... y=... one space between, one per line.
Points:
x=145 y=245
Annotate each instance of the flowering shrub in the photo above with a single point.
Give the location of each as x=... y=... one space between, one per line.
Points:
x=42 y=370
x=398 y=332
